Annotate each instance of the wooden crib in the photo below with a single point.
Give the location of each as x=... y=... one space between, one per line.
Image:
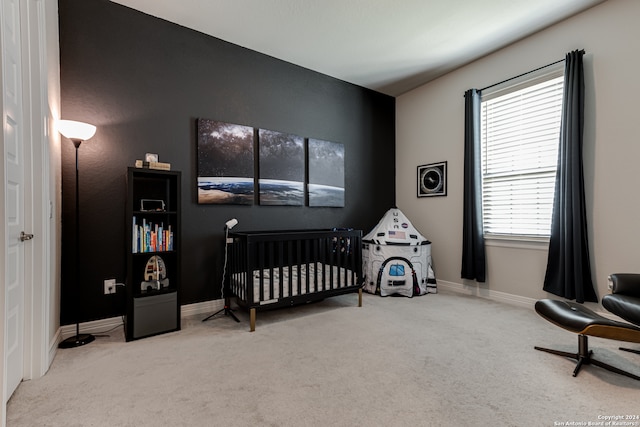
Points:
x=272 y=269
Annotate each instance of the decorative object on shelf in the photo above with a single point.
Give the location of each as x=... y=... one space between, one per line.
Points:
x=151 y=158
x=432 y=180
x=326 y=173
x=153 y=165
x=77 y=132
x=152 y=205
x=225 y=163
x=227 y=310
x=155 y=275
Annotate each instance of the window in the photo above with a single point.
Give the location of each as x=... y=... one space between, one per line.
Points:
x=520 y=127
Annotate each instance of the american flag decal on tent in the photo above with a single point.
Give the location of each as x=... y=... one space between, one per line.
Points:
x=397 y=234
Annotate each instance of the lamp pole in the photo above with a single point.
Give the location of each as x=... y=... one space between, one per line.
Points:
x=74 y=127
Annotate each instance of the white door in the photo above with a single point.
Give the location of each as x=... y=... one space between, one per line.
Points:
x=13 y=134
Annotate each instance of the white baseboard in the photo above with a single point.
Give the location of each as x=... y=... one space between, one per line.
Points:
x=518 y=300
x=102 y=325
x=206 y=307
x=487 y=293
x=53 y=345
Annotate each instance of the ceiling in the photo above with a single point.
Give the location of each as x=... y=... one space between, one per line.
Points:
x=390 y=46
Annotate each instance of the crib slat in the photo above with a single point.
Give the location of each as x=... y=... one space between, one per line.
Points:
x=260 y=268
x=289 y=263
x=280 y=262
x=318 y=286
x=269 y=254
x=298 y=266
x=332 y=263
x=310 y=284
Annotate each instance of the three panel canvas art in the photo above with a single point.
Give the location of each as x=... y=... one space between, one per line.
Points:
x=289 y=169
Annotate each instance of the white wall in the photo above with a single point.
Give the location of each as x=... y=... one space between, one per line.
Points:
x=430 y=128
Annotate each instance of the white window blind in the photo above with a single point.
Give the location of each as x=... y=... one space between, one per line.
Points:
x=520 y=135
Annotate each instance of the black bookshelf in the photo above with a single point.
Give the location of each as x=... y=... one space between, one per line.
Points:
x=153 y=252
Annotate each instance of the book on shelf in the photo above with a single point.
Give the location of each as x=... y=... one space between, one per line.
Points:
x=153 y=165
x=150 y=237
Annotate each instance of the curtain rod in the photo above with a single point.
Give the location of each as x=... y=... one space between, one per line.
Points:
x=528 y=72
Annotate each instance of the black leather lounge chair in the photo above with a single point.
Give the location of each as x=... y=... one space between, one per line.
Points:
x=584 y=322
x=624 y=300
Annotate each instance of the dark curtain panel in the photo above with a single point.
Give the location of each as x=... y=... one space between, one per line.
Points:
x=568 y=268
x=473 y=255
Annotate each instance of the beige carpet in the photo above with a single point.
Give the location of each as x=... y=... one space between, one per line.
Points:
x=436 y=360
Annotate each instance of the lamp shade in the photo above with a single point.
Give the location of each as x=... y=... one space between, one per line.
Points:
x=76 y=131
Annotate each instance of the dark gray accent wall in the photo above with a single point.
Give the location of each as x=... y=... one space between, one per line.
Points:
x=143 y=82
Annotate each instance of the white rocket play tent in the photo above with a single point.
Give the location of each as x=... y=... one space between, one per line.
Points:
x=396 y=258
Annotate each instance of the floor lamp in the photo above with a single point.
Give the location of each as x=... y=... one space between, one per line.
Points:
x=76 y=132
x=227 y=310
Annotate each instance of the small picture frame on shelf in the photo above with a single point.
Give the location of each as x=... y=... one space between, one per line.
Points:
x=432 y=179
x=152 y=205
x=151 y=157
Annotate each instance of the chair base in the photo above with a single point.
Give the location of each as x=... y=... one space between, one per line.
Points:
x=630 y=350
x=583 y=356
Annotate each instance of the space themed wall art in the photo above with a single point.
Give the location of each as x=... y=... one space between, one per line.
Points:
x=243 y=165
x=281 y=166
x=225 y=163
x=326 y=173
x=432 y=180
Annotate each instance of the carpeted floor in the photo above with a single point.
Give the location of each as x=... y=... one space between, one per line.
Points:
x=437 y=360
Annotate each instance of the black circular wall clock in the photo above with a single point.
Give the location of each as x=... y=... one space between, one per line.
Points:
x=432 y=179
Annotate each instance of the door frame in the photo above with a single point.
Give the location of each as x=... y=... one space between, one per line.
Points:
x=41 y=98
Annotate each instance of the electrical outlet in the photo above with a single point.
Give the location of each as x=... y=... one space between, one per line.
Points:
x=109 y=286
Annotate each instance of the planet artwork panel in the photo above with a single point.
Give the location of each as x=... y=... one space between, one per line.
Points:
x=225 y=163
x=282 y=167
x=326 y=174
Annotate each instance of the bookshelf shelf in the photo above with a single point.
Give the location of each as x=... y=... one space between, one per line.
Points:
x=141 y=254
x=153 y=252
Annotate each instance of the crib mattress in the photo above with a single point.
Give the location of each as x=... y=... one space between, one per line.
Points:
x=298 y=280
